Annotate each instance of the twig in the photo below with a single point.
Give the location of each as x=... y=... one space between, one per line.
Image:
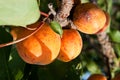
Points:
x=108 y=51
x=62 y=15
x=52 y=11
x=64 y=12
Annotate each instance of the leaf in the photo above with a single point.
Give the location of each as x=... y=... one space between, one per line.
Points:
x=56 y=27
x=16 y=65
x=19 y=75
x=5 y=73
x=109 y=6
x=118 y=15
x=84 y=1
x=93 y=67
x=115 y=36
x=117 y=49
x=18 y=12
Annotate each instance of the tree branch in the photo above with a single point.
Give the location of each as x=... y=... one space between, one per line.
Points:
x=106 y=45
x=64 y=12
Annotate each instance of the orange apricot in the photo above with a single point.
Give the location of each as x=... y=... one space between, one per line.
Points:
x=41 y=48
x=89 y=18
x=97 y=77
x=108 y=20
x=71 y=45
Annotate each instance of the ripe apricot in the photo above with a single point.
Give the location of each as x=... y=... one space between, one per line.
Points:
x=108 y=20
x=97 y=77
x=71 y=45
x=117 y=77
x=89 y=18
x=41 y=48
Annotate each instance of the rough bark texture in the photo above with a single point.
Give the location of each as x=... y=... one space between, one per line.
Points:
x=107 y=48
x=64 y=12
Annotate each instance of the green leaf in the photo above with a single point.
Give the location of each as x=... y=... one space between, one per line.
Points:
x=19 y=75
x=18 y=12
x=109 y=5
x=117 y=49
x=115 y=36
x=5 y=73
x=84 y=1
x=118 y=15
x=56 y=27
x=93 y=67
x=16 y=65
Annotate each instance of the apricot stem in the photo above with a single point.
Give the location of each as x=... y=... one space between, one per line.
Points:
x=50 y=6
x=30 y=28
x=44 y=14
x=21 y=39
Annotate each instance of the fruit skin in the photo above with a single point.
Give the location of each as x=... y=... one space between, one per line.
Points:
x=97 y=77
x=89 y=18
x=107 y=24
x=117 y=77
x=71 y=45
x=42 y=48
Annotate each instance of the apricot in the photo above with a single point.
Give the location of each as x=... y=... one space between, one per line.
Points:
x=89 y=18
x=97 y=77
x=71 y=45
x=41 y=48
x=117 y=77
x=108 y=20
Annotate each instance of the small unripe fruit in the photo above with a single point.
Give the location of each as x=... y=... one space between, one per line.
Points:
x=71 y=45
x=56 y=27
x=41 y=48
x=89 y=18
x=97 y=77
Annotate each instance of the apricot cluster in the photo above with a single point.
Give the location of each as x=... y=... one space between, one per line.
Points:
x=45 y=45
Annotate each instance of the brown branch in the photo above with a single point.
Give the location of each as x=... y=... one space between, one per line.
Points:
x=64 y=12
x=107 y=51
x=106 y=45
